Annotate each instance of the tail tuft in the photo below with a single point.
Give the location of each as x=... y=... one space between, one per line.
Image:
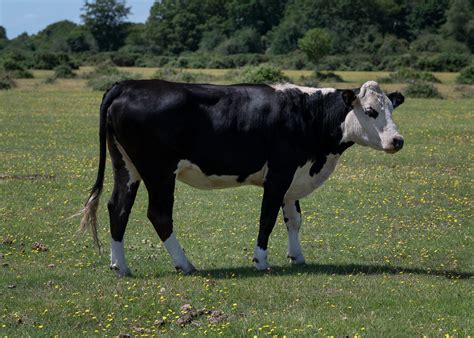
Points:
x=89 y=217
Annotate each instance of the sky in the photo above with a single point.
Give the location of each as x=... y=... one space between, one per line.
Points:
x=32 y=16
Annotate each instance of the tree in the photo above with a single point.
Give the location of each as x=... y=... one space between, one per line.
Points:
x=105 y=20
x=316 y=43
x=460 y=22
x=177 y=26
x=3 y=37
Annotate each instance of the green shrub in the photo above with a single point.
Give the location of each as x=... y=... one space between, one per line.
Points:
x=246 y=40
x=64 y=72
x=6 y=82
x=106 y=81
x=294 y=60
x=408 y=75
x=21 y=74
x=262 y=74
x=466 y=76
x=444 y=62
x=50 y=80
x=422 y=89
x=15 y=69
x=180 y=75
x=103 y=77
x=10 y=65
x=308 y=81
x=51 y=60
x=123 y=59
x=328 y=76
x=393 y=62
x=317 y=76
x=172 y=74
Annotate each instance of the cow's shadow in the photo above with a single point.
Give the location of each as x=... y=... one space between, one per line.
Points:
x=329 y=269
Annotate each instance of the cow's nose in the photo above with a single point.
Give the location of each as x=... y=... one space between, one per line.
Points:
x=398 y=143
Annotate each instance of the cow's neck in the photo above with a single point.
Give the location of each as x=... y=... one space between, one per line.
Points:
x=328 y=114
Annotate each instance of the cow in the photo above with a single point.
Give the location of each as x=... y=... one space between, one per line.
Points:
x=284 y=138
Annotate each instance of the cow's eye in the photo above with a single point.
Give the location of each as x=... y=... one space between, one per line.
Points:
x=371 y=112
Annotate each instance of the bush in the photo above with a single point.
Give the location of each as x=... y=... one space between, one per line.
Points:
x=21 y=74
x=6 y=82
x=444 y=62
x=262 y=74
x=407 y=75
x=393 y=62
x=317 y=76
x=466 y=76
x=246 y=40
x=293 y=60
x=123 y=59
x=10 y=65
x=51 y=61
x=64 y=72
x=328 y=77
x=104 y=77
x=421 y=89
x=15 y=69
x=308 y=81
x=172 y=74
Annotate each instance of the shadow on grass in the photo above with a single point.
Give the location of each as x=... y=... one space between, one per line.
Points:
x=329 y=269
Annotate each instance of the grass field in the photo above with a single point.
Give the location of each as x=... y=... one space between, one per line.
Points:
x=388 y=239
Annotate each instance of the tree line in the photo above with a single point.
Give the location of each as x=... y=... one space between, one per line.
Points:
x=383 y=33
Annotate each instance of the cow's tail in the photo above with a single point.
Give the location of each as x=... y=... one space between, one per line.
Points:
x=89 y=212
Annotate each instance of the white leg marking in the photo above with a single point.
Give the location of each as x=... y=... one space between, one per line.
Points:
x=117 y=258
x=180 y=260
x=293 y=222
x=260 y=258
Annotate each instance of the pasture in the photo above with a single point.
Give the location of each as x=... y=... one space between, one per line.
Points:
x=387 y=240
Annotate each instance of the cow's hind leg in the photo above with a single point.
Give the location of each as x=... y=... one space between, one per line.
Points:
x=160 y=213
x=126 y=183
x=292 y=217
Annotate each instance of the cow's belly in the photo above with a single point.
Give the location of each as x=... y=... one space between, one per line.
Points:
x=303 y=183
x=191 y=174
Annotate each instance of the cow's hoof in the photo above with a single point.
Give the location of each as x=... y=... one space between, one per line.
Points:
x=297 y=260
x=187 y=270
x=120 y=272
x=261 y=264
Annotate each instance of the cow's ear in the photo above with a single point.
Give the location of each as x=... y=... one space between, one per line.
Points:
x=397 y=99
x=349 y=97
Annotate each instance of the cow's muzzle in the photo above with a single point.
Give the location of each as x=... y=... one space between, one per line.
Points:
x=397 y=143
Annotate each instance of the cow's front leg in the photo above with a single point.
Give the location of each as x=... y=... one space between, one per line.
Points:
x=275 y=188
x=292 y=217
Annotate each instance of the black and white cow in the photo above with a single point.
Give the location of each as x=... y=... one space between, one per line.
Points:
x=284 y=138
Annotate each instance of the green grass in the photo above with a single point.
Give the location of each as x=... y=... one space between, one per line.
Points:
x=387 y=240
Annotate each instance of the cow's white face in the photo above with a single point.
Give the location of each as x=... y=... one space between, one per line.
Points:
x=370 y=121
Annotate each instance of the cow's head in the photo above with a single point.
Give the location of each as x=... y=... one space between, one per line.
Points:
x=370 y=122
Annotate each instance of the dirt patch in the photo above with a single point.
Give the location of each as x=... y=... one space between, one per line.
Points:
x=190 y=315
x=38 y=246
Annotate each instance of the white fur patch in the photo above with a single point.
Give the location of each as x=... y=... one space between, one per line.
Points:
x=117 y=258
x=177 y=254
x=260 y=259
x=303 y=183
x=308 y=90
x=133 y=175
x=293 y=223
x=191 y=174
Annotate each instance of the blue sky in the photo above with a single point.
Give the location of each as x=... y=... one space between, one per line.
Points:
x=31 y=16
